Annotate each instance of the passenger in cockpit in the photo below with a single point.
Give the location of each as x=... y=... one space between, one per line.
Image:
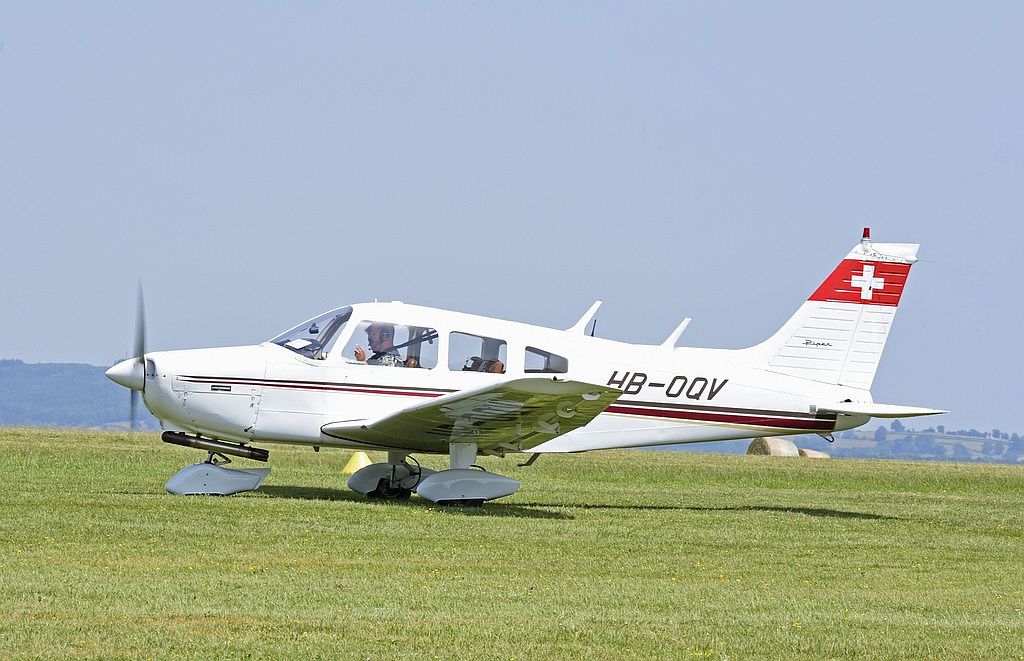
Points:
x=381 y=338
x=478 y=364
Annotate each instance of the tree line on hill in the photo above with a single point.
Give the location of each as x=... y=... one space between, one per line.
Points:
x=897 y=441
x=63 y=395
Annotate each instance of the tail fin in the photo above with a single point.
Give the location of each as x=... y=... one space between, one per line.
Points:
x=838 y=335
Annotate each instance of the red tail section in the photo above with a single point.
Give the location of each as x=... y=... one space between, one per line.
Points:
x=864 y=282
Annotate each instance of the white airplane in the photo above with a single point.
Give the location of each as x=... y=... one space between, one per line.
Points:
x=408 y=379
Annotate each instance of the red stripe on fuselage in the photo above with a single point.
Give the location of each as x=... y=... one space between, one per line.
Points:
x=734 y=418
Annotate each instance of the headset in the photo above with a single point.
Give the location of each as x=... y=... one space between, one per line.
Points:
x=385 y=331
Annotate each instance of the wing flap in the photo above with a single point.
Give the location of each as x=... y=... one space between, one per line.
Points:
x=877 y=410
x=512 y=415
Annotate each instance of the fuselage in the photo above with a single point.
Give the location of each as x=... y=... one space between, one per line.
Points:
x=285 y=390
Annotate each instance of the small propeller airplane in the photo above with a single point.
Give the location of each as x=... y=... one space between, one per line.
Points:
x=407 y=379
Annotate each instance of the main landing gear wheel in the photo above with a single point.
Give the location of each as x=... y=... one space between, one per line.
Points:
x=388 y=490
x=394 y=480
x=462 y=484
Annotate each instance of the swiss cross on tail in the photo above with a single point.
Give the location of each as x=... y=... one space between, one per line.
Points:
x=867 y=282
x=868 y=275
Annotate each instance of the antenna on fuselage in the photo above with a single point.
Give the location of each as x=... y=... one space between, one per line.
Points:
x=581 y=325
x=673 y=337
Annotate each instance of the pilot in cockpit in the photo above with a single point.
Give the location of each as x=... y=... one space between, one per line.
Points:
x=381 y=338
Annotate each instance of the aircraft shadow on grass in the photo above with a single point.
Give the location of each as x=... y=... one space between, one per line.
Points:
x=607 y=506
x=808 y=511
x=528 y=511
x=537 y=511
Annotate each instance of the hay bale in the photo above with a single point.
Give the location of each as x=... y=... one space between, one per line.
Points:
x=774 y=447
x=813 y=454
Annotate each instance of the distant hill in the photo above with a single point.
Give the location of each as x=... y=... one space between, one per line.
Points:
x=76 y=395
x=63 y=395
x=895 y=441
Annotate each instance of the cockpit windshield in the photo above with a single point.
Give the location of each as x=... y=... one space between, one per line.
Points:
x=314 y=338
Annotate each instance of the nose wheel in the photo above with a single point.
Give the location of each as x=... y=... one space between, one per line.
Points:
x=211 y=478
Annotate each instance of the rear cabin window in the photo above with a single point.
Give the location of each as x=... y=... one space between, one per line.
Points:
x=475 y=353
x=395 y=345
x=540 y=361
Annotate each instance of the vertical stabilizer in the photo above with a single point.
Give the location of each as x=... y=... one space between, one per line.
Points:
x=838 y=335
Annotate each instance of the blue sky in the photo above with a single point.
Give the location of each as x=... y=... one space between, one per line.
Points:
x=256 y=163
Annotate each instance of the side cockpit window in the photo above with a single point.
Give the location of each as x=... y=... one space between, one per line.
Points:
x=540 y=361
x=476 y=353
x=393 y=345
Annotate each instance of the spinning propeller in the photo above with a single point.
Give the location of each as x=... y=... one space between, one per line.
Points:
x=131 y=373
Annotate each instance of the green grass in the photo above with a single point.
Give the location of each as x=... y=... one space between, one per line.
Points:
x=603 y=555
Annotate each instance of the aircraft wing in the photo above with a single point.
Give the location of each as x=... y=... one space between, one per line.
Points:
x=512 y=415
x=877 y=410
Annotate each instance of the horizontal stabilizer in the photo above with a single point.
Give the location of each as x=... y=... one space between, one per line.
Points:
x=877 y=410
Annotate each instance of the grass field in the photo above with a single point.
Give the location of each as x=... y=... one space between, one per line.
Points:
x=604 y=555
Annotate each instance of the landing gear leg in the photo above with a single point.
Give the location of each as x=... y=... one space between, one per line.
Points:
x=461 y=455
